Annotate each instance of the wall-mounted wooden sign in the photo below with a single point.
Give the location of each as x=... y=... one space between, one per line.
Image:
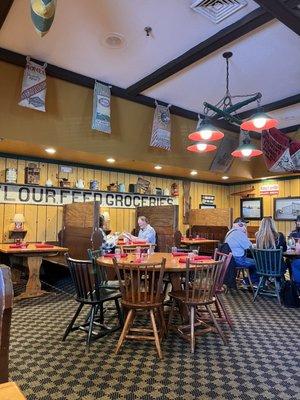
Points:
x=39 y=195
x=207 y=199
x=270 y=189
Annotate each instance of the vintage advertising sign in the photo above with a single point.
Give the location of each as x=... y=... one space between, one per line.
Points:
x=39 y=195
x=270 y=189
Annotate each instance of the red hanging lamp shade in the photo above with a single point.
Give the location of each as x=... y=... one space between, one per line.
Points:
x=201 y=148
x=246 y=151
x=206 y=131
x=258 y=122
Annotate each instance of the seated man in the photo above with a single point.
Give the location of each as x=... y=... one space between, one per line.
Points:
x=146 y=231
x=239 y=243
x=296 y=261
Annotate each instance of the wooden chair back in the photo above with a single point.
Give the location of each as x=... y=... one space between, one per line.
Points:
x=130 y=249
x=141 y=284
x=93 y=255
x=268 y=262
x=6 y=302
x=225 y=258
x=177 y=238
x=201 y=281
x=87 y=280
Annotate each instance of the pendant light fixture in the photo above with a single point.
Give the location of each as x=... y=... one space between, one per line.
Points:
x=201 y=148
x=246 y=149
x=206 y=131
x=258 y=122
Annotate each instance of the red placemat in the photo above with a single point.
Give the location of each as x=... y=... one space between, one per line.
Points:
x=44 y=246
x=196 y=258
x=179 y=253
x=115 y=255
x=18 y=246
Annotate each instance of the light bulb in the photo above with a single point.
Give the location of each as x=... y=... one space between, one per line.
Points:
x=246 y=152
x=201 y=146
x=206 y=134
x=194 y=172
x=259 y=122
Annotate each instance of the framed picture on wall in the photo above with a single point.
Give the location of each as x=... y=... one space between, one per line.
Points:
x=252 y=208
x=202 y=206
x=286 y=208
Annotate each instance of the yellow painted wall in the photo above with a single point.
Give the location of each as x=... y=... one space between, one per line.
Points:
x=44 y=222
x=286 y=188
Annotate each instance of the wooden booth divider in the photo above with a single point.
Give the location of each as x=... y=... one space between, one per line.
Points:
x=164 y=219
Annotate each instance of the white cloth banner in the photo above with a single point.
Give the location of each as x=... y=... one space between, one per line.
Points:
x=39 y=195
x=161 y=129
x=101 y=108
x=34 y=86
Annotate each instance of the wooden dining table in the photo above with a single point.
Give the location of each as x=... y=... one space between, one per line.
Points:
x=33 y=255
x=132 y=245
x=196 y=243
x=174 y=268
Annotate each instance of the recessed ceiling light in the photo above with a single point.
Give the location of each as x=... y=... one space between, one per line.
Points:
x=225 y=177
x=114 y=40
x=110 y=160
x=158 y=167
x=194 y=172
x=50 y=150
x=263 y=179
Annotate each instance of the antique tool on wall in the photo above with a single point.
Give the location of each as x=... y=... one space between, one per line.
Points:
x=244 y=193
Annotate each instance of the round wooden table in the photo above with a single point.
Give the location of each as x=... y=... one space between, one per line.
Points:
x=173 y=267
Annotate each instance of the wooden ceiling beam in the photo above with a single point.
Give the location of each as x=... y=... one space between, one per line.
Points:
x=5 y=6
x=247 y=24
x=275 y=105
x=283 y=12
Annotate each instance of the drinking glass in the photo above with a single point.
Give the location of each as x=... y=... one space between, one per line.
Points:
x=191 y=255
x=118 y=253
x=195 y=252
x=173 y=249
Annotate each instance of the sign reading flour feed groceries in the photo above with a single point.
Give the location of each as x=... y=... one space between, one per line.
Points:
x=40 y=195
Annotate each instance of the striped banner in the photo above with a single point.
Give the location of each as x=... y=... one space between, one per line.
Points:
x=101 y=108
x=161 y=130
x=42 y=15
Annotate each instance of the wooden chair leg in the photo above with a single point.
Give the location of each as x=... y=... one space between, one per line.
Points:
x=192 y=323
x=216 y=324
x=223 y=308
x=171 y=314
x=89 y=336
x=156 y=337
x=262 y=280
x=250 y=281
x=277 y=290
x=163 y=322
x=70 y=326
x=119 y=312
x=125 y=330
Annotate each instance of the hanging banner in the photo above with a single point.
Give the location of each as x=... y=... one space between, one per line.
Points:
x=161 y=129
x=101 y=108
x=223 y=158
x=42 y=15
x=276 y=152
x=34 y=86
x=295 y=154
x=39 y=195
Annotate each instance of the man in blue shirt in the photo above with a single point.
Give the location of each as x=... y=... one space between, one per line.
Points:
x=239 y=243
x=146 y=231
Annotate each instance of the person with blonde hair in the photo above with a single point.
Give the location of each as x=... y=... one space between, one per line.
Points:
x=268 y=237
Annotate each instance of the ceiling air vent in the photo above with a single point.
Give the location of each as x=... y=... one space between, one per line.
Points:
x=217 y=10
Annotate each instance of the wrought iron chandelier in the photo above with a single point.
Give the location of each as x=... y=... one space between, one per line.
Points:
x=226 y=109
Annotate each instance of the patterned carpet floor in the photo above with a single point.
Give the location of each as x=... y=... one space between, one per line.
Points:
x=262 y=360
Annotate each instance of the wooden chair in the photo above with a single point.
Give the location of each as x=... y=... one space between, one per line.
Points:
x=141 y=286
x=6 y=301
x=268 y=265
x=220 y=306
x=105 y=282
x=201 y=282
x=87 y=280
x=132 y=249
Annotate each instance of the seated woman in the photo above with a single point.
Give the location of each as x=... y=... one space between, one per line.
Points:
x=109 y=241
x=268 y=237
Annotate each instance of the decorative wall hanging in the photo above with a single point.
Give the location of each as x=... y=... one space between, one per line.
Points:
x=207 y=199
x=34 y=86
x=42 y=15
x=252 y=208
x=32 y=174
x=269 y=189
x=225 y=109
x=276 y=150
x=223 y=158
x=186 y=201
x=143 y=185
x=295 y=154
x=286 y=208
x=174 y=189
x=161 y=129
x=101 y=108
